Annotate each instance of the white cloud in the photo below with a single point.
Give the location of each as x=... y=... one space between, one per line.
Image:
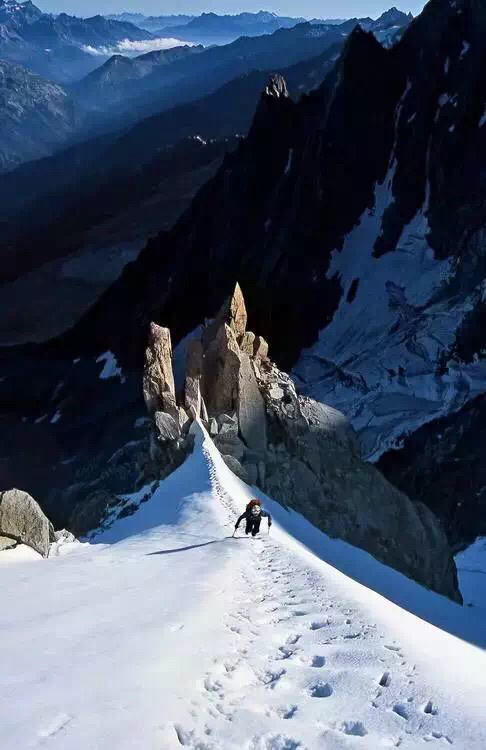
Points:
x=129 y=48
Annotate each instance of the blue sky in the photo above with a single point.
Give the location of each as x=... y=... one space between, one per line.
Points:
x=307 y=8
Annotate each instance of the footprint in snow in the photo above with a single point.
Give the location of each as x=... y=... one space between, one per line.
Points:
x=286 y=712
x=293 y=639
x=429 y=708
x=320 y=689
x=270 y=679
x=57 y=724
x=353 y=728
x=318 y=624
x=385 y=679
x=275 y=742
x=213 y=686
x=284 y=653
x=401 y=711
x=437 y=736
x=318 y=661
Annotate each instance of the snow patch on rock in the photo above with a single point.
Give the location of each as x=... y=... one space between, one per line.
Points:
x=110 y=368
x=377 y=359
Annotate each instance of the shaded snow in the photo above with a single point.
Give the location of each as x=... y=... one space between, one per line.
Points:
x=168 y=633
x=110 y=368
x=471 y=567
x=377 y=359
x=465 y=49
x=289 y=161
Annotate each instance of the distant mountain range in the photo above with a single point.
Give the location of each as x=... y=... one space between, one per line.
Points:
x=123 y=89
x=150 y=83
x=61 y=47
x=210 y=28
x=150 y=23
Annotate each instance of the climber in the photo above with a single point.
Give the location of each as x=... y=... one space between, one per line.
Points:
x=253 y=515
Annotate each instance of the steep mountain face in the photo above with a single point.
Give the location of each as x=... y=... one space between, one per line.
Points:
x=96 y=205
x=57 y=46
x=354 y=220
x=122 y=77
x=36 y=116
x=443 y=462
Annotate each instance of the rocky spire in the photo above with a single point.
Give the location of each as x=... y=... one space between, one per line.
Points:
x=276 y=86
x=275 y=109
x=158 y=376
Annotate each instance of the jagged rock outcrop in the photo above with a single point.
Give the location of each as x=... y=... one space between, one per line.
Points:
x=158 y=377
x=22 y=521
x=169 y=438
x=306 y=455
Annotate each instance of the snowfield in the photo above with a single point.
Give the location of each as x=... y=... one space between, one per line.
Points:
x=163 y=632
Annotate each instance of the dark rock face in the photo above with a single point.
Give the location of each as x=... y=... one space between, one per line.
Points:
x=443 y=465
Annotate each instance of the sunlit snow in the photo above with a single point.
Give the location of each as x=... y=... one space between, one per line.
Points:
x=166 y=632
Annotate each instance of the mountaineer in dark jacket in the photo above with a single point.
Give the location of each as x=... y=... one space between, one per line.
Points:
x=253 y=515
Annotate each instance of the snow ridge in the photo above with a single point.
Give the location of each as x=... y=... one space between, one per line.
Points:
x=166 y=632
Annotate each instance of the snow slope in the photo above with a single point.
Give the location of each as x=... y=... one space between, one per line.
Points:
x=164 y=632
x=471 y=567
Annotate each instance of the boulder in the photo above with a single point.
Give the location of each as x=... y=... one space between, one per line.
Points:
x=229 y=428
x=166 y=427
x=230 y=444
x=22 y=519
x=221 y=368
x=251 y=408
x=235 y=466
x=158 y=376
x=223 y=419
x=7 y=543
